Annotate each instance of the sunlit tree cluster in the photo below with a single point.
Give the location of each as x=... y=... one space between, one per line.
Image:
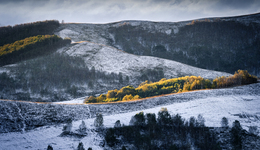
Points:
x=174 y=85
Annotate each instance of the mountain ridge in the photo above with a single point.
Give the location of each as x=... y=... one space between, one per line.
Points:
x=223 y=40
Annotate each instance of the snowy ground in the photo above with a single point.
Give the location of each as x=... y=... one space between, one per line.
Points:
x=110 y=59
x=239 y=103
x=74 y=101
x=99 y=33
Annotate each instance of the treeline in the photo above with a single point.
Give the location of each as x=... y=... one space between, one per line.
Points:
x=55 y=77
x=172 y=132
x=164 y=132
x=221 y=45
x=241 y=77
x=216 y=45
x=10 y=34
x=174 y=85
x=30 y=47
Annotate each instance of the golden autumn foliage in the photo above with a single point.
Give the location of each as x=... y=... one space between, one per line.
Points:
x=241 y=77
x=21 y=44
x=174 y=85
x=30 y=47
x=127 y=97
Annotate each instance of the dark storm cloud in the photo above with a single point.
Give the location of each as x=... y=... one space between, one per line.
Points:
x=102 y=11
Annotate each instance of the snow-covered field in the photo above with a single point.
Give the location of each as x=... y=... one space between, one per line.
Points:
x=110 y=59
x=239 y=103
x=73 y=101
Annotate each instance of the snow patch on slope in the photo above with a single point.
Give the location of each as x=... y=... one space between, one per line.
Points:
x=79 y=100
x=84 y=32
x=67 y=33
x=109 y=59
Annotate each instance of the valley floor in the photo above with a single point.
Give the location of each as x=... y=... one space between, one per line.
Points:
x=239 y=103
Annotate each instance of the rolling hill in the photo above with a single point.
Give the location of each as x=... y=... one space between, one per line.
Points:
x=85 y=68
x=223 y=44
x=103 y=57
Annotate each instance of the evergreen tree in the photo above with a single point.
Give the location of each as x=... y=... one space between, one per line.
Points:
x=98 y=122
x=49 y=147
x=127 y=79
x=68 y=126
x=224 y=122
x=93 y=72
x=177 y=120
x=117 y=124
x=150 y=119
x=164 y=118
x=82 y=127
x=192 y=121
x=236 y=135
x=200 y=121
x=138 y=119
x=120 y=77
x=110 y=137
x=80 y=146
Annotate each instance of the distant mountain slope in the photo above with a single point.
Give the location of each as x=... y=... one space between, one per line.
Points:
x=225 y=44
x=109 y=59
x=10 y=34
x=84 y=69
x=31 y=47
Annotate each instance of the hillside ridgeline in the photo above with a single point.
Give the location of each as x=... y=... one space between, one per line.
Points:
x=30 y=47
x=221 y=44
x=10 y=34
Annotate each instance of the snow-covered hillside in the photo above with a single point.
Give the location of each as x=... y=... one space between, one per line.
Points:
x=110 y=59
x=239 y=103
x=212 y=43
x=99 y=33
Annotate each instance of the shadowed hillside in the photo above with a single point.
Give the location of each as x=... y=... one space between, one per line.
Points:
x=216 y=44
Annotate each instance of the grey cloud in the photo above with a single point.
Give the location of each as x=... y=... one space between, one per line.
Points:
x=102 y=11
x=238 y=4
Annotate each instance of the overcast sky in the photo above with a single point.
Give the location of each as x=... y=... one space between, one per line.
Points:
x=104 y=11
